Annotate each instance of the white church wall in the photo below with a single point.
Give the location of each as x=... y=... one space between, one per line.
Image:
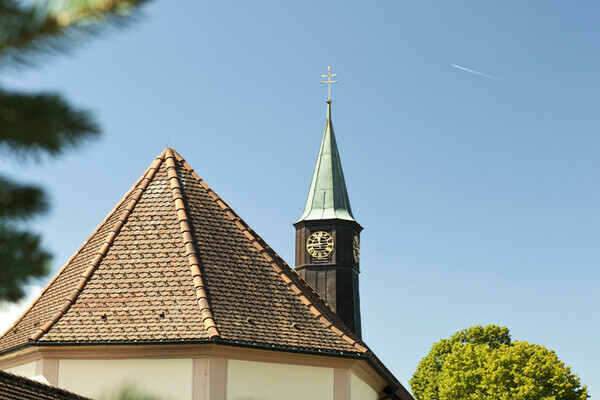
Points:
x=360 y=390
x=171 y=379
x=249 y=380
x=26 y=370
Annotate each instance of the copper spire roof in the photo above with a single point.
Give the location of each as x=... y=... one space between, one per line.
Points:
x=328 y=196
x=174 y=262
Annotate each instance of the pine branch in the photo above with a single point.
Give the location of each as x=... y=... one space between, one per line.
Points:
x=18 y=201
x=21 y=258
x=50 y=27
x=42 y=122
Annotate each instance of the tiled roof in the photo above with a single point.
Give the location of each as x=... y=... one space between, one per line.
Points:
x=14 y=387
x=173 y=262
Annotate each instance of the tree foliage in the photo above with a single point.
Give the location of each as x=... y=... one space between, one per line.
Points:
x=482 y=363
x=40 y=123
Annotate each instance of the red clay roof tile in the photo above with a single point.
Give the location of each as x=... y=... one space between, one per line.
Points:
x=14 y=387
x=173 y=262
x=173 y=248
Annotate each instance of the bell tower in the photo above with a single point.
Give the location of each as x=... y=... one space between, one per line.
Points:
x=327 y=235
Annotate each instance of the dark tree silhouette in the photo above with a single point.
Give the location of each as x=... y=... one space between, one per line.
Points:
x=33 y=124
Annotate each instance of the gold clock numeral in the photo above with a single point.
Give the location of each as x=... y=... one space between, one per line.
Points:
x=319 y=244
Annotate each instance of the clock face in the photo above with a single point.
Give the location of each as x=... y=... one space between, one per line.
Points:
x=319 y=244
x=356 y=248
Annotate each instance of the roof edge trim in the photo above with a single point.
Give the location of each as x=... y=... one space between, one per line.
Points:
x=262 y=248
x=181 y=342
x=139 y=189
x=190 y=249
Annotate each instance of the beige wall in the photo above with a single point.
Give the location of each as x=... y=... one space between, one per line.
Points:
x=248 y=380
x=27 y=369
x=167 y=378
x=200 y=372
x=360 y=390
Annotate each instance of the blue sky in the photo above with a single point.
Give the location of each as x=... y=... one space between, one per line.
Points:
x=479 y=196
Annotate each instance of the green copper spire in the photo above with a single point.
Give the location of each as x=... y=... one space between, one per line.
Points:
x=328 y=197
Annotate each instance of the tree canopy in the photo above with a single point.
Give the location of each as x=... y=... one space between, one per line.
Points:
x=40 y=123
x=482 y=363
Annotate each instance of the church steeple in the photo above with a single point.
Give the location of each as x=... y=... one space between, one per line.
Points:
x=327 y=235
x=328 y=196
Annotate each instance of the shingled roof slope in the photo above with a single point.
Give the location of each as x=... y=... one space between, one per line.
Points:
x=14 y=387
x=174 y=262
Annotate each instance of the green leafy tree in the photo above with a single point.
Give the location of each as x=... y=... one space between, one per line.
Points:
x=482 y=363
x=33 y=124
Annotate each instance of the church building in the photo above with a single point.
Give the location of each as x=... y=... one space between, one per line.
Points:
x=175 y=294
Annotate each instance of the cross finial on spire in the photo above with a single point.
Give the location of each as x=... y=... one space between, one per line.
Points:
x=329 y=82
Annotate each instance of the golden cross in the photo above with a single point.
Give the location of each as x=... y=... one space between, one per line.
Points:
x=329 y=82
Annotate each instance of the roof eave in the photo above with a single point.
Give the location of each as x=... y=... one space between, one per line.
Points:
x=396 y=389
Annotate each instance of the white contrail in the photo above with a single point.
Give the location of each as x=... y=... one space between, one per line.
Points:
x=473 y=71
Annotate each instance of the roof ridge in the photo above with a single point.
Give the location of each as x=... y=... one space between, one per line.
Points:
x=140 y=186
x=190 y=249
x=271 y=257
x=79 y=249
